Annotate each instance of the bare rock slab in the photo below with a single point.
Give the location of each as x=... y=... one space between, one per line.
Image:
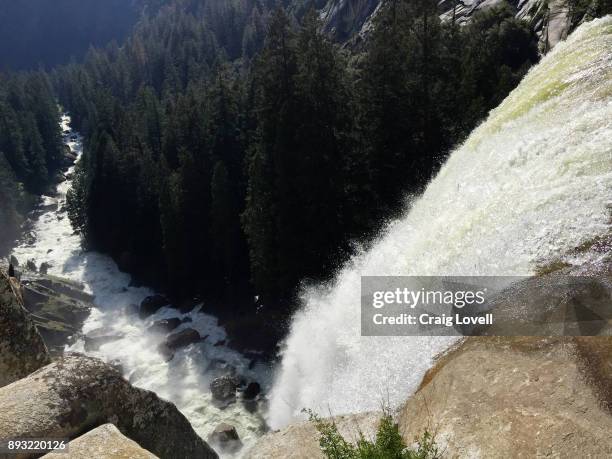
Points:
x=104 y=442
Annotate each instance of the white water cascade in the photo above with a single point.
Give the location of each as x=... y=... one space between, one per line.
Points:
x=185 y=379
x=531 y=183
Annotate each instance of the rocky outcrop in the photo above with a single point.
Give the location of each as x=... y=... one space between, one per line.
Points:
x=550 y=20
x=104 y=442
x=58 y=307
x=350 y=21
x=534 y=397
x=22 y=350
x=76 y=393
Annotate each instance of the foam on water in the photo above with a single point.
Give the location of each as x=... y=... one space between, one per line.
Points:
x=531 y=183
x=185 y=379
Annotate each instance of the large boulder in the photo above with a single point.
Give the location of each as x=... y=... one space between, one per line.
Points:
x=104 y=442
x=533 y=397
x=22 y=350
x=75 y=393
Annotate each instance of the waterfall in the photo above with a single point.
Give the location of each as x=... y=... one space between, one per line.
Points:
x=529 y=184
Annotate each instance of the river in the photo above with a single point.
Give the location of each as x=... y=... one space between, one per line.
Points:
x=186 y=378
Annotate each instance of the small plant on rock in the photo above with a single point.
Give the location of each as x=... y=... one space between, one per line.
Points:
x=388 y=444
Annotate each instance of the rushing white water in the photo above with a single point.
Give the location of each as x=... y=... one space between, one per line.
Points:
x=185 y=379
x=529 y=184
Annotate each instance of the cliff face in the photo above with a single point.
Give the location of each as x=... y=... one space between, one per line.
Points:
x=22 y=350
x=349 y=21
x=344 y=19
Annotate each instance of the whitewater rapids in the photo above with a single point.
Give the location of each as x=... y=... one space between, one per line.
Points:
x=531 y=183
x=185 y=379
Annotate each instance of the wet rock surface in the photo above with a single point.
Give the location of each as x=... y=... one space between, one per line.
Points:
x=224 y=388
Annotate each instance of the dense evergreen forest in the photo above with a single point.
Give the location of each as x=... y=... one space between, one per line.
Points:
x=232 y=150
x=31 y=150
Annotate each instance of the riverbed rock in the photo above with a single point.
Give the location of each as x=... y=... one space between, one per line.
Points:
x=223 y=388
x=151 y=304
x=104 y=442
x=69 y=396
x=165 y=325
x=182 y=339
x=22 y=349
x=226 y=438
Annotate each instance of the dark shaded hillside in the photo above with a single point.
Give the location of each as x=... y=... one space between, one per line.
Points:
x=43 y=32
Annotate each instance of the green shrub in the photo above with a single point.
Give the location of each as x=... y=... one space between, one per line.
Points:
x=388 y=444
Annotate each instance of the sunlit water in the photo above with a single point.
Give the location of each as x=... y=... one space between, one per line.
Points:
x=531 y=183
x=185 y=379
